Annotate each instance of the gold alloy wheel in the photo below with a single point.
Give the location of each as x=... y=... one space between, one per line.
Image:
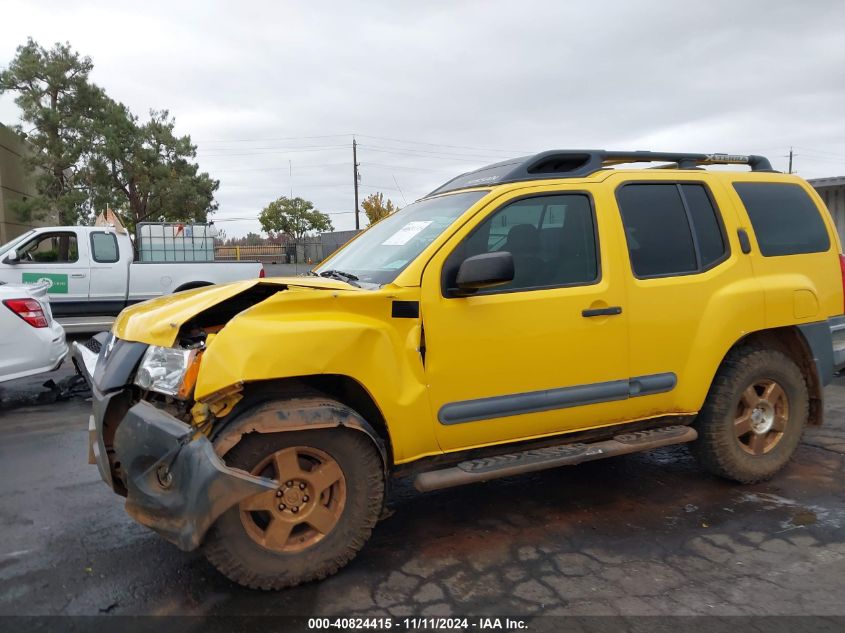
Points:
x=304 y=508
x=761 y=416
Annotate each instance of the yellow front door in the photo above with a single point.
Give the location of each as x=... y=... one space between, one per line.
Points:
x=544 y=354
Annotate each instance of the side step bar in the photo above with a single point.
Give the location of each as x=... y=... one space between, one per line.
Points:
x=487 y=468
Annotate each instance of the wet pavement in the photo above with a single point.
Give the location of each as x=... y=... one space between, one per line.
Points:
x=644 y=534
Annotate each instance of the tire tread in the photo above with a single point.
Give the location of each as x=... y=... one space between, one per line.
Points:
x=231 y=566
x=713 y=448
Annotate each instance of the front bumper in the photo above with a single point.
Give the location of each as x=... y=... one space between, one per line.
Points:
x=173 y=481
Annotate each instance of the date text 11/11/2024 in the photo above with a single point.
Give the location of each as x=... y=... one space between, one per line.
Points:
x=417 y=624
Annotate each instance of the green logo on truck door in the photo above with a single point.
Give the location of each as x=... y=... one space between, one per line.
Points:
x=58 y=283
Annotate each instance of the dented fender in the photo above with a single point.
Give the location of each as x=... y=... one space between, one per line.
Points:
x=292 y=328
x=296 y=414
x=302 y=333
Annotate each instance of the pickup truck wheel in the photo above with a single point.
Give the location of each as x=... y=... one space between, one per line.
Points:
x=754 y=416
x=329 y=497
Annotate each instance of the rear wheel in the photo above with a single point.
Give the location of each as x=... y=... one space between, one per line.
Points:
x=754 y=416
x=329 y=493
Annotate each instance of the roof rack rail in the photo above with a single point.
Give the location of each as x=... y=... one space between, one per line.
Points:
x=575 y=163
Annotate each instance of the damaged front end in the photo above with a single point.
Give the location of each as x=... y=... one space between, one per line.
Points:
x=176 y=484
x=173 y=481
x=147 y=436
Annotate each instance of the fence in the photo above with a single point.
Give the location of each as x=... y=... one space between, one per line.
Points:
x=301 y=252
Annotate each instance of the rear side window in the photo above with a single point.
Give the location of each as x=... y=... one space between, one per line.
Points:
x=785 y=220
x=671 y=228
x=104 y=248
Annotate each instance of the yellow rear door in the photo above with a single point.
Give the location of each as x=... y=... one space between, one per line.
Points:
x=691 y=290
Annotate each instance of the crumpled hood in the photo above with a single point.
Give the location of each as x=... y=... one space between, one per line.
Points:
x=158 y=321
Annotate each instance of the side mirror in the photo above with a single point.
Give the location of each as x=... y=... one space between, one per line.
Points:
x=484 y=271
x=11 y=257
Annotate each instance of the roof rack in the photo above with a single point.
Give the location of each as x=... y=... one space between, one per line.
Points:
x=575 y=163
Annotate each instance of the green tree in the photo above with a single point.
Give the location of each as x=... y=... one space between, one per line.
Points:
x=252 y=239
x=294 y=217
x=376 y=208
x=90 y=152
x=147 y=170
x=58 y=105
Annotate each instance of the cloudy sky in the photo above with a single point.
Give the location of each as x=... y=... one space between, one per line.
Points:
x=432 y=89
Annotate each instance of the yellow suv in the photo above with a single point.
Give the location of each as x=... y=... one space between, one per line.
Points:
x=543 y=311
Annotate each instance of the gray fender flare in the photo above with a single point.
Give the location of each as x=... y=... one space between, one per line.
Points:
x=296 y=414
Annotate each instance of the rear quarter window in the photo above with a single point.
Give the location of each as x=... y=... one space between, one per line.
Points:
x=784 y=218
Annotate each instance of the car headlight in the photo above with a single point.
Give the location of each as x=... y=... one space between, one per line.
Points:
x=163 y=370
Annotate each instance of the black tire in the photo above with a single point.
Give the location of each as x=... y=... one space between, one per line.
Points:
x=229 y=547
x=718 y=449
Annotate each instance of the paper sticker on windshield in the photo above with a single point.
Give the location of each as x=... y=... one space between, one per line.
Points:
x=406 y=233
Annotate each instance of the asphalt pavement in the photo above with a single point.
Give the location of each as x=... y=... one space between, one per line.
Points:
x=646 y=534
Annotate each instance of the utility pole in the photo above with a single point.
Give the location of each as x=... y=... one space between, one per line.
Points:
x=790 y=164
x=355 y=180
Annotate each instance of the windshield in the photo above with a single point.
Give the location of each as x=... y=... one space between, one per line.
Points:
x=380 y=254
x=10 y=245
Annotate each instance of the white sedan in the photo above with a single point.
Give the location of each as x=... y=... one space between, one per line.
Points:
x=31 y=342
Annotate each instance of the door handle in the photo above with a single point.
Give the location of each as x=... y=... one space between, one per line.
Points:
x=78 y=275
x=744 y=242
x=594 y=312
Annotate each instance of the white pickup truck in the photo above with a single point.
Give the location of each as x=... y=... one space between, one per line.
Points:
x=93 y=274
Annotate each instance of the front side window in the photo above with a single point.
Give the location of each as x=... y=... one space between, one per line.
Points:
x=671 y=228
x=552 y=240
x=50 y=248
x=383 y=251
x=104 y=248
x=785 y=219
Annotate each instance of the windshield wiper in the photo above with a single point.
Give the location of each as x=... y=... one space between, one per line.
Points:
x=339 y=274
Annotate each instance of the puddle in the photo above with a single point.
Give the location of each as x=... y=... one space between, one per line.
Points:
x=807 y=517
x=801 y=515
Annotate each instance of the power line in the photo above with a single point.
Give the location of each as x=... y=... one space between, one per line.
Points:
x=320 y=184
x=298 y=166
x=327 y=148
x=265 y=138
x=426 y=152
x=229 y=150
x=466 y=159
x=822 y=159
x=484 y=149
x=255 y=217
x=406 y=167
x=821 y=152
x=371 y=136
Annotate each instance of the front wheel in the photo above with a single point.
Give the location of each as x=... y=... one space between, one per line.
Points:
x=330 y=487
x=754 y=416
